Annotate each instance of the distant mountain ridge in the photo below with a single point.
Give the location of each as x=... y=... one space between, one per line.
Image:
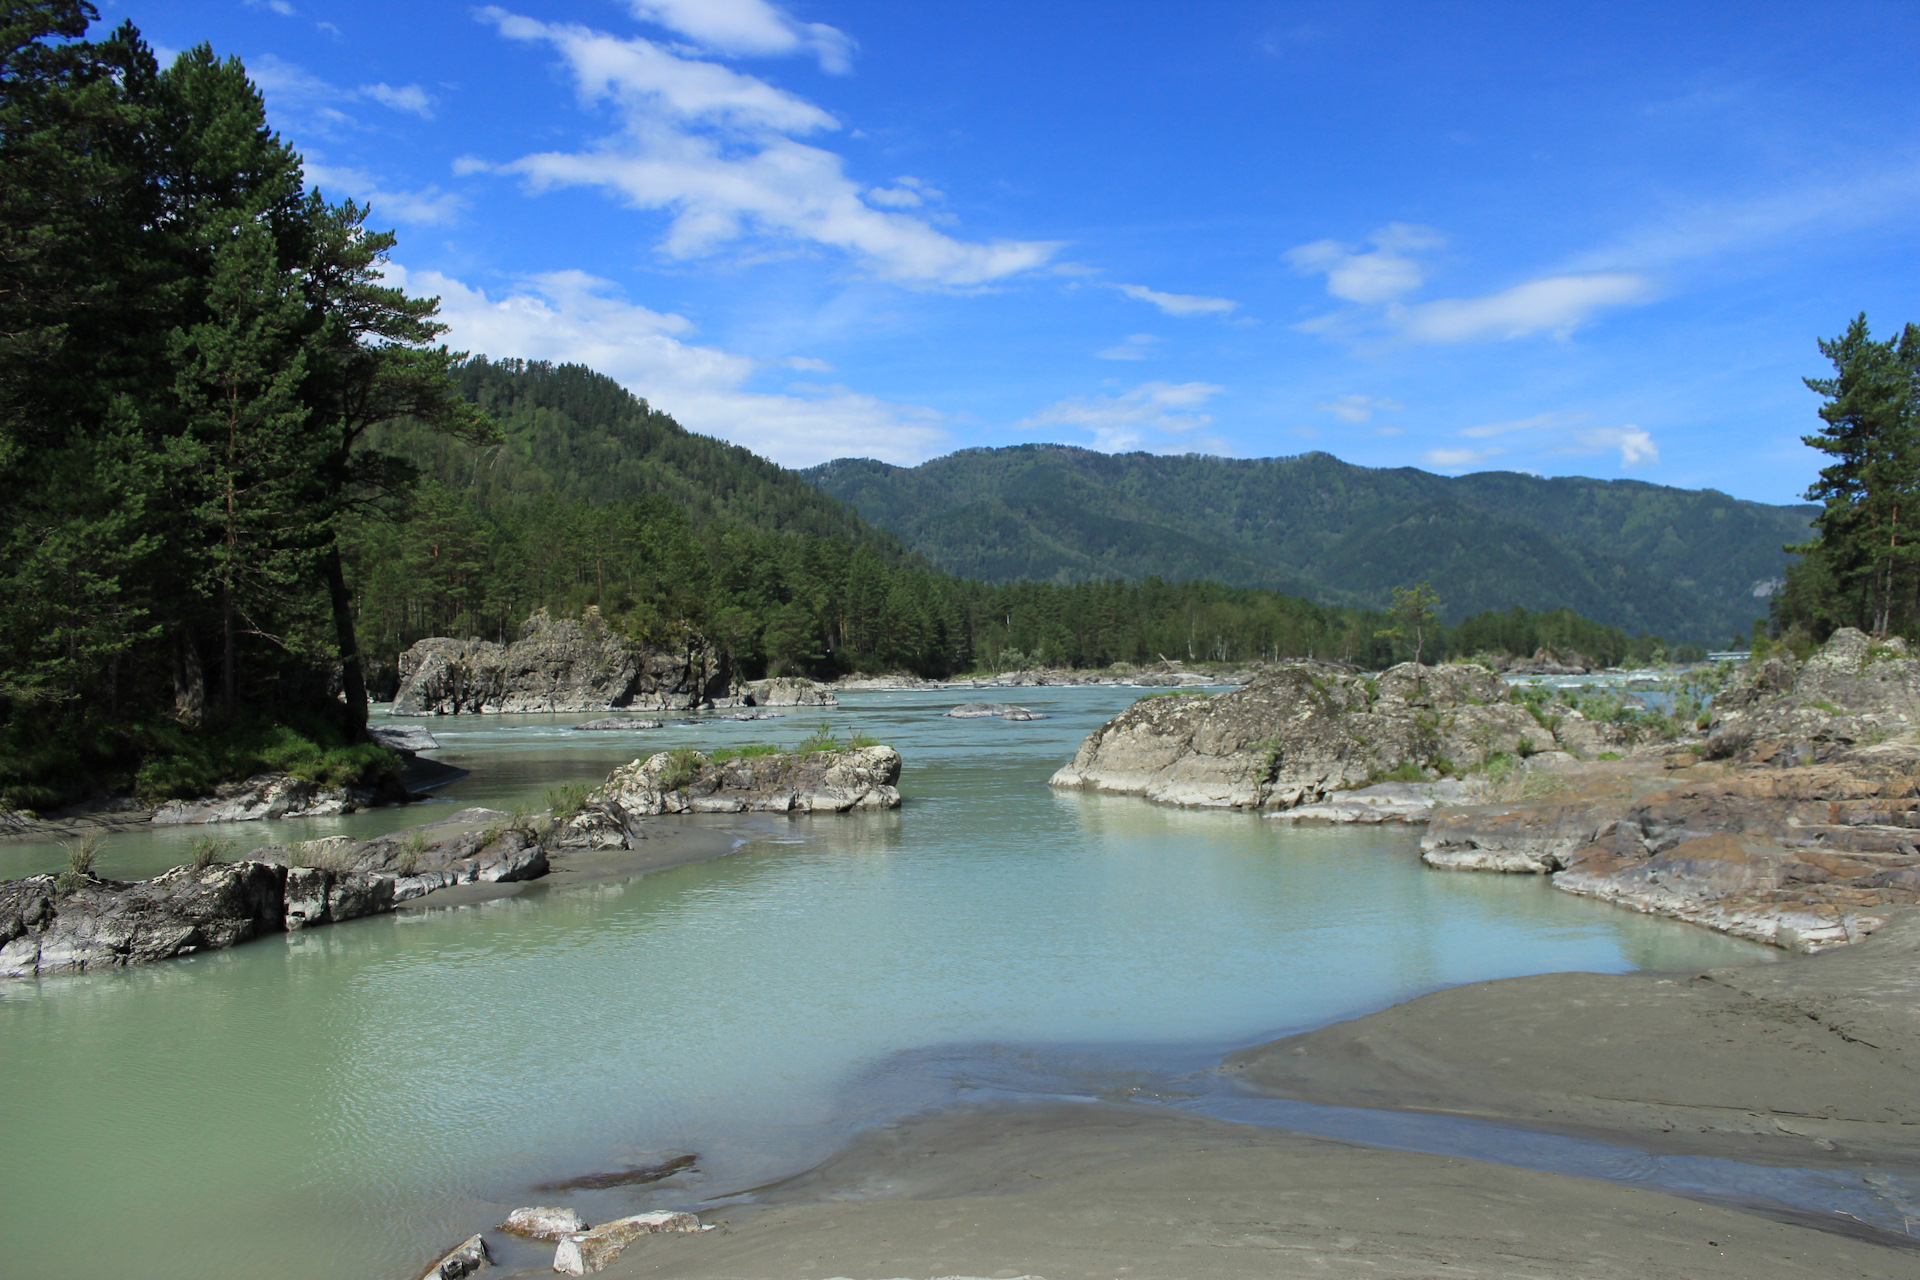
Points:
x=1686 y=564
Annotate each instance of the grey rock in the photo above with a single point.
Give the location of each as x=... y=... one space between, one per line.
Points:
x=789 y=691
x=540 y=1223
x=619 y=724
x=787 y=782
x=402 y=737
x=1001 y=710
x=265 y=795
x=1852 y=691
x=559 y=665
x=591 y=1251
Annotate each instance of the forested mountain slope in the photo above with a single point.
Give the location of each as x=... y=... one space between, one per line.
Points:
x=1643 y=557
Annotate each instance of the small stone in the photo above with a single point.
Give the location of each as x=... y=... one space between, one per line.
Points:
x=591 y=1251
x=544 y=1224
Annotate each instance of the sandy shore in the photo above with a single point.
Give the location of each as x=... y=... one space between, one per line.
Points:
x=1094 y=1191
x=1807 y=1062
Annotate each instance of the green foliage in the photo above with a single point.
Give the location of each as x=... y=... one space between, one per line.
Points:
x=683 y=766
x=181 y=763
x=83 y=854
x=861 y=741
x=568 y=799
x=820 y=739
x=208 y=850
x=1405 y=771
x=1611 y=755
x=750 y=751
x=1413 y=615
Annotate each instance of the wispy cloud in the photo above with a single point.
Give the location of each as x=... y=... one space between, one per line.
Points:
x=1547 y=435
x=749 y=28
x=1160 y=416
x=1379 y=279
x=429 y=206
x=1132 y=347
x=715 y=148
x=572 y=316
x=1360 y=408
x=1178 y=304
x=410 y=98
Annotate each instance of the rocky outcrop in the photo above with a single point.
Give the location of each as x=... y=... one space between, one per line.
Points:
x=788 y=691
x=69 y=924
x=832 y=781
x=1382 y=802
x=1301 y=732
x=1799 y=834
x=265 y=795
x=992 y=710
x=619 y=724
x=559 y=665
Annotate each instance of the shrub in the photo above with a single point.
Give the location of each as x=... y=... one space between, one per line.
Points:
x=861 y=741
x=683 y=766
x=1405 y=771
x=1611 y=755
x=82 y=856
x=820 y=739
x=208 y=850
x=568 y=799
x=750 y=751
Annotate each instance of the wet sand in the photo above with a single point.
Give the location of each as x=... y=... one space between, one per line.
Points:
x=1806 y=1062
x=1096 y=1191
x=1812 y=1061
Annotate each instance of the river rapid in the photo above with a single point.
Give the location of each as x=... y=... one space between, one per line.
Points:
x=350 y=1101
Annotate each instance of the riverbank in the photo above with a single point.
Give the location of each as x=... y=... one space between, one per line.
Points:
x=1807 y=1063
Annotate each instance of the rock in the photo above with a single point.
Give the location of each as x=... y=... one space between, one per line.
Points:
x=1545 y=662
x=1002 y=710
x=618 y=724
x=785 y=782
x=1382 y=802
x=753 y=715
x=1852 y=692
x=465 y=1258
x=402 y=737
x=590 y=1251
x=543 y=1223
x=1300 y=732
x=50 y=926
x=559 y=665
x=265 y=795
x=789 y=691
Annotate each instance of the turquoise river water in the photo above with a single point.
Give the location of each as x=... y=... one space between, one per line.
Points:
x=346 y=1101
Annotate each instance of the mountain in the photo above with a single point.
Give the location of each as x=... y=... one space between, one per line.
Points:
x=1683 y=563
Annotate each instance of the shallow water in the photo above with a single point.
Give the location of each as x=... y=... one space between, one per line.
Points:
x=348 y=1101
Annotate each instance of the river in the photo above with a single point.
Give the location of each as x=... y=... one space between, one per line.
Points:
x=348 y=1101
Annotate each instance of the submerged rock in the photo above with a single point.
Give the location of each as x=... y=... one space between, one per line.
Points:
x=591 y=1251
x=686 y=782
x=616 y=724
x=988 y=710
x=558 y=665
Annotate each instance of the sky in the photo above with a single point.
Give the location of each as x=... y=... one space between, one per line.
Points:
x=1568 y=239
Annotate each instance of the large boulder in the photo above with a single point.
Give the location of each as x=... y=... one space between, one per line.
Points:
x=1853 y=691
x=589 y=1251
x=832 y=781
x=559 y=665
x=1300 y=732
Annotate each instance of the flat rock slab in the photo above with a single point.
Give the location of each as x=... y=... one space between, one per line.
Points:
x=993 y=710
x=614 y=724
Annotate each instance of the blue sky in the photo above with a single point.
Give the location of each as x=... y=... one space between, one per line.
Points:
x=1570 y=239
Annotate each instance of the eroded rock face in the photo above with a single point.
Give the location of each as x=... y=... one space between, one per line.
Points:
x=787 y=782
x=1852 y=693
x=789 y=691
x=50 y=925
x=558 y=665
x=1301 y=732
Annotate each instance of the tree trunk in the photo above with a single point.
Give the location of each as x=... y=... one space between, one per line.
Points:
x=353 y=681
x=189 y=684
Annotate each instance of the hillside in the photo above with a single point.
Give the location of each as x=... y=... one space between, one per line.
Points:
x=1643 y=557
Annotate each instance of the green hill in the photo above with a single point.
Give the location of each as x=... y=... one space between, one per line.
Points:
x=1643 y=557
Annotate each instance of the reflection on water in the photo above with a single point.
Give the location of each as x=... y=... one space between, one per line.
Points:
x=352 y=1098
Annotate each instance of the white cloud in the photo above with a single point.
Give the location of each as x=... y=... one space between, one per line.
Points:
x=428 y=207
x=1554 y=304
x=751 y=28
x=407 y=97
x=569 y=316
x=1385 y=273
x=1133 y=418
x=1132 y=347
x=905 y=193
x=1564 y=434
x=1178 y=304
x=1457 y=459
x=709 y=145
x=280 y=7
x=1360 y=408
